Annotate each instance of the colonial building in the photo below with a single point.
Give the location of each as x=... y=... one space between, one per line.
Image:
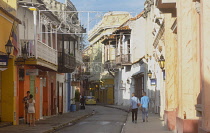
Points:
x=8 y=71
x=102 y=80
x=43 y=53
x=186 y=44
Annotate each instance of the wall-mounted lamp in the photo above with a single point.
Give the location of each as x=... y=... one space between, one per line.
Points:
x=149 y=74
x=161 y=62
x=25 y=54
x=9 y=47
x=128 y=81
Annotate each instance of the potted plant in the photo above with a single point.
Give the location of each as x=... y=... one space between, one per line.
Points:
x=77 y=98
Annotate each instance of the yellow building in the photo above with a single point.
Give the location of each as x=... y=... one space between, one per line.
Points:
x=8 y=72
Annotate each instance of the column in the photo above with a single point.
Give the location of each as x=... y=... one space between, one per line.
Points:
x=205 y=57
x=171 y=73
x=188 y=67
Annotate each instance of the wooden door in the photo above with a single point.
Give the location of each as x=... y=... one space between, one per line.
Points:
x=62 y=98
x=41 y=98
x=32 y=85
x=0 y=94
x=58 y=95
x=139 y=86
x=52 y=99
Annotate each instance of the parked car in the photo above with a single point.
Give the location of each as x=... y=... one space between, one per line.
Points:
x=90 y=100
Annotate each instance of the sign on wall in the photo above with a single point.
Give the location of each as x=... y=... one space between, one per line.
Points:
x=3 y=60
x=32 y=72
x=153 y=82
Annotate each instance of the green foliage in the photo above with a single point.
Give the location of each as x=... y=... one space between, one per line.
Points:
x=77 y=95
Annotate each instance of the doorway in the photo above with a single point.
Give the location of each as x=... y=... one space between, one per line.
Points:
x=32 y=85
x=61 y=98
x=58 y=100
x=139 y=86
x=0 y=94
x=41 y=98
x=53 y=100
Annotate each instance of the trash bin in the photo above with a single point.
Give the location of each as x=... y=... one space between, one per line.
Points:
x=73 y=108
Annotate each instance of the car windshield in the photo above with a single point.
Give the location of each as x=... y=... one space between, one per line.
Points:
x=90 y=97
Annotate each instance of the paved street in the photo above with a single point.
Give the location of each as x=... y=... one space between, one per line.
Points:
x=105 y=120
x=154 y=125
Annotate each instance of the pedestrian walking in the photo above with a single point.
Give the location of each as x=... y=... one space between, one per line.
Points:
x=82 y=102
x=144 y=106
x=134 y=106
x=25 y=99
x=31 y=110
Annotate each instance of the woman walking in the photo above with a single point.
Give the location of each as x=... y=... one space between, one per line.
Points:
x=31 y=110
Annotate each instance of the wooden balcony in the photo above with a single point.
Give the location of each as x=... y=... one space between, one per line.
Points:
x=118 y=60
x=78 y=55
x=43 y=56
x=166 y=4
x=124 y=60
x=66 y=63
x=110 y=65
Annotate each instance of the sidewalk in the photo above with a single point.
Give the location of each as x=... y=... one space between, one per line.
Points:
x=49 y=124
x=154 y=125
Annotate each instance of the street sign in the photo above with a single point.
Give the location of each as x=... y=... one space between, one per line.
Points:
x=153 y=82
x=3 y=60
x=32 y=72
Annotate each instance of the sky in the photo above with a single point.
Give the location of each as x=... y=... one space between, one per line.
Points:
x=108 y=5
x=134 y=7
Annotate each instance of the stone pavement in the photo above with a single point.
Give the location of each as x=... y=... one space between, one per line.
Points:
x=124 y=108
x=154 y=125
x=50 y=124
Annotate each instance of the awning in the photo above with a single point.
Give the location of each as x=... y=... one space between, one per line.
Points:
x=140 y=72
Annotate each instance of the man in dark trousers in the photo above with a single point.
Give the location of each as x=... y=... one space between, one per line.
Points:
x=134 y=107
x=25 y=99
x=82 y=102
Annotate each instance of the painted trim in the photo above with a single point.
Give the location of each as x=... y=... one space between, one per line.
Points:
x=6 y=18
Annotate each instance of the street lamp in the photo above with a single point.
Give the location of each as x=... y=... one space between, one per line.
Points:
x=149 y=74
x=161 y=62
x=9 y=47
x=25 y=54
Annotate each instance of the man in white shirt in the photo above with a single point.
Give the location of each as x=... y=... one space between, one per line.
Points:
x=134 y=107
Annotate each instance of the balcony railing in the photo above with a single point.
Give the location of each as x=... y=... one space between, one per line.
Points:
x=43 y=52
x=110 y=65
x=46 y=53
x=66 y=63
x=124 y=59
x=78 y=55
x=118 y=60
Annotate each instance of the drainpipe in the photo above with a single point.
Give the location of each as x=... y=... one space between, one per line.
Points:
x=35 y=32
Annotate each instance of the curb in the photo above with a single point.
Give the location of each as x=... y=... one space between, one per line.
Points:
x=66 y=124
x=122 y=130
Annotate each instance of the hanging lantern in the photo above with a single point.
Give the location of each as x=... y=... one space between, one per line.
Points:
x=161 y=62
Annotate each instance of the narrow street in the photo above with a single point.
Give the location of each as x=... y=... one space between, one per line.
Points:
x=105 y=120
x=122 y=58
